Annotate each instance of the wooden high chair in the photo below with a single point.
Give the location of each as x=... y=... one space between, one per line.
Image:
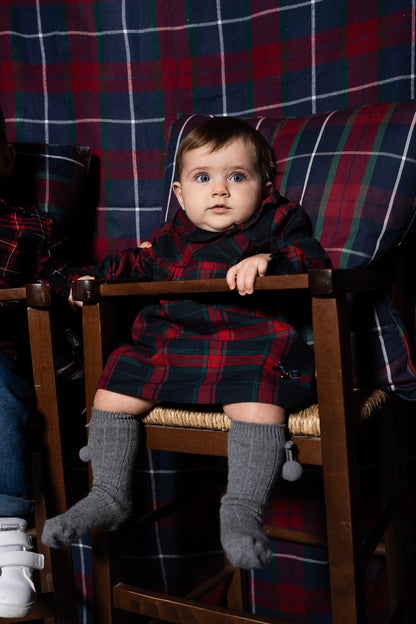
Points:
x=56 y=600
x=327 y=434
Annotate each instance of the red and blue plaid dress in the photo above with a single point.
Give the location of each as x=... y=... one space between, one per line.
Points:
x=226 y=349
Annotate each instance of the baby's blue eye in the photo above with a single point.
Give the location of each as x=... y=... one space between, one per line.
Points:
x=237 y=177
x=202 y=177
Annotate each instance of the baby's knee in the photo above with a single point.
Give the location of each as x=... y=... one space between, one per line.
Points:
x=123 y=403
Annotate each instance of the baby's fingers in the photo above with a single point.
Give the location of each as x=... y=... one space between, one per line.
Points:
x=245 y=281
x=241 y=277
x=262 y=267
x=231 y=277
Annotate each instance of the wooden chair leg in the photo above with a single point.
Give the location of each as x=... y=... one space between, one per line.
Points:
x=236 y=588
x=104 y=575
x=53 y=486
x=395 y=494
x=339 y=441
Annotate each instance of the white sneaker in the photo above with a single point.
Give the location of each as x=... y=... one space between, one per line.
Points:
x=17 y=591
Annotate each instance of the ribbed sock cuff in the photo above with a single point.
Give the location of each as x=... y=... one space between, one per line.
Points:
x=258 y=431
x=104 y=414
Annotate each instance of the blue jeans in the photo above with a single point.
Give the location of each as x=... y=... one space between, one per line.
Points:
x=14 y=414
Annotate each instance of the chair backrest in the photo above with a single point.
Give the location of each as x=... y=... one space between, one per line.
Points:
x=56 y=179
x=354 y=172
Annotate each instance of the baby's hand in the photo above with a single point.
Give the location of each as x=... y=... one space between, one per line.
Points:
x=145 y=244
x=73 y=304
x=243 y=275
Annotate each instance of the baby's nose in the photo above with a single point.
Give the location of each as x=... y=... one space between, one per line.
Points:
x=220 y=188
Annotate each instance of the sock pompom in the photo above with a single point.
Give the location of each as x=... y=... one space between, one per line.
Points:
x=291 y=469
x=84 y=454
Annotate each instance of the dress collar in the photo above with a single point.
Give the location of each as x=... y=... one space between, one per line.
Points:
x=187 y=230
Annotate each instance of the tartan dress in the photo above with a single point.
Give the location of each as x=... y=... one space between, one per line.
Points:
x=225 y=350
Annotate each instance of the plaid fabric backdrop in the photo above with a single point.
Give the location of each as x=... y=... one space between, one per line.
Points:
x=106 y=73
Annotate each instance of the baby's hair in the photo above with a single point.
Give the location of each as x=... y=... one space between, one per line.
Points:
x=217 y=132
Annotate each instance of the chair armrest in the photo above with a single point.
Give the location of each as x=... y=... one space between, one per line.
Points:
x=36 y=295
x=325 y=282
x=319 y=282
x=91 y=291
x=13 y=294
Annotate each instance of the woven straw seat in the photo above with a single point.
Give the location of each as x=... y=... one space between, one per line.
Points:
x=302 y=423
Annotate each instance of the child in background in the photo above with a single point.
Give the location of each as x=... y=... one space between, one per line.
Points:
x=30 y=250
x=252 y=361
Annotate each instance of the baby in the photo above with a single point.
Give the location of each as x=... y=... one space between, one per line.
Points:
x=251 y=360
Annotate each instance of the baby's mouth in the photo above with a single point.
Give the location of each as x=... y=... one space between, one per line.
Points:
x=219 y=208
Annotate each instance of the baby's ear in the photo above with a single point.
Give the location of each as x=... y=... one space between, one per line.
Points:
x=268 y=189
x=177 y=189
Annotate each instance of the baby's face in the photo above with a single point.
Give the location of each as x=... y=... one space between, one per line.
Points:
x=222 y=188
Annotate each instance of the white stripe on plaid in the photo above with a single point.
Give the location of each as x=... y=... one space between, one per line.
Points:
x=143 y=31
x=222 y=59
x=318 y=140
x=160 y=556
x=313 y=57
x=81 y=553
x=45 y=94
x=134 y=173
x=413 y=50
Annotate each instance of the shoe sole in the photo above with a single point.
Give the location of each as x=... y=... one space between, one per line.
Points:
x=15 y=611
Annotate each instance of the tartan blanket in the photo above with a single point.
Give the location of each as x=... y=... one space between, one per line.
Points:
x=105 y=73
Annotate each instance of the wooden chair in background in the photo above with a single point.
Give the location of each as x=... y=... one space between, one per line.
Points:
x=57 y=179
x=56 y=603
x=328 y=434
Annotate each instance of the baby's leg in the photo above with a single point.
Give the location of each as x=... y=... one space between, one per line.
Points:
x=255 y=457
x=112 y=447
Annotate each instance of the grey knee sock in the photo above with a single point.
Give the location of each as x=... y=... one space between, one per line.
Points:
x=255 y=457
x=112 y=447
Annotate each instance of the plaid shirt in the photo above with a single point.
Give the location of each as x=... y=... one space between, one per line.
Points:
x=182 y=251
x=189 y=351
x=31 y=250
